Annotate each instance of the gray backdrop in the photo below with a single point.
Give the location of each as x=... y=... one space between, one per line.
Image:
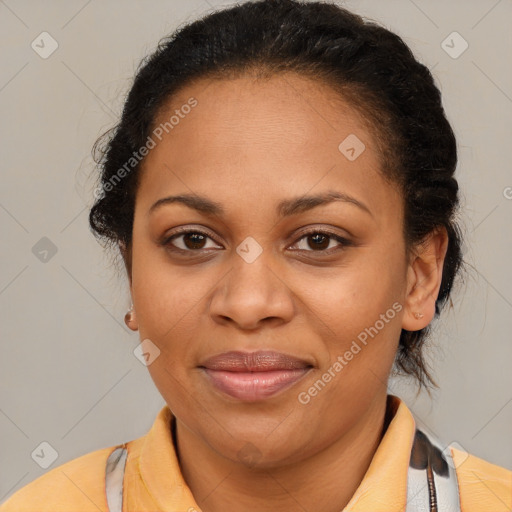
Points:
x=68 y=374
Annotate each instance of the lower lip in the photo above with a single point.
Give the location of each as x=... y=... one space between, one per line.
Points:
x=253 y=386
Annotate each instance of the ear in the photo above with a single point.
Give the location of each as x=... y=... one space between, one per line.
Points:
x=126 y=253
x=424 y=276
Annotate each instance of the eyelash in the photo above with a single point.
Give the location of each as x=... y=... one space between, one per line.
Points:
x=185 y=231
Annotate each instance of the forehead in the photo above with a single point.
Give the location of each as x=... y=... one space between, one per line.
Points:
x=282 y=109
x=280 y=136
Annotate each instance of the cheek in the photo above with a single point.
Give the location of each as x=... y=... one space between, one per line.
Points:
x=164 y=296
x=355 y=295
x=361 y=309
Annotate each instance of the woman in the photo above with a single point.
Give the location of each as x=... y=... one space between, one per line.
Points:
x=281 y=188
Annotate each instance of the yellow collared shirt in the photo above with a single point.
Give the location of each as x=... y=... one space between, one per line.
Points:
x=153 y=480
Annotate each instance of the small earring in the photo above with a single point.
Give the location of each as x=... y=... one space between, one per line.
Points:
x=128 y=316
x=418 y=315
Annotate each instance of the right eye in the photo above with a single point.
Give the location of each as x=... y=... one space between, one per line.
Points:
x=193 y=240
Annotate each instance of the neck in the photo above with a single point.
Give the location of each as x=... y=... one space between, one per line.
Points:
x=325 y=481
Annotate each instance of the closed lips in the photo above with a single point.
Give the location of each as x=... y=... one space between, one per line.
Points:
x=254 y=376
x=261 y=361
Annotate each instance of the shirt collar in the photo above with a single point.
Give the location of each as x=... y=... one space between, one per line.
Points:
x=384 y=486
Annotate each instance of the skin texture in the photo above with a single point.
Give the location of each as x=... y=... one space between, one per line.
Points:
x=248 y=145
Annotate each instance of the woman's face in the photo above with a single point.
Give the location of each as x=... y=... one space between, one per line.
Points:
x=250 y=278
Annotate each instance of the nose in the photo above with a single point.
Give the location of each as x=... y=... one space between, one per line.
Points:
x=252 y=295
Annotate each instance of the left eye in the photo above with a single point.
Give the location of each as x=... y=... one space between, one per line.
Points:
x=320 y=240
x=194 y=240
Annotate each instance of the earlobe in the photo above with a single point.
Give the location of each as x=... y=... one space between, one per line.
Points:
x=424 y=276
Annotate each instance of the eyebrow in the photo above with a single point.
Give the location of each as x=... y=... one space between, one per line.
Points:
x=285 y=208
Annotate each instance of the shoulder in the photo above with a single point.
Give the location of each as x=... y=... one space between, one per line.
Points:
x=77 y=485
x=483 y=487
